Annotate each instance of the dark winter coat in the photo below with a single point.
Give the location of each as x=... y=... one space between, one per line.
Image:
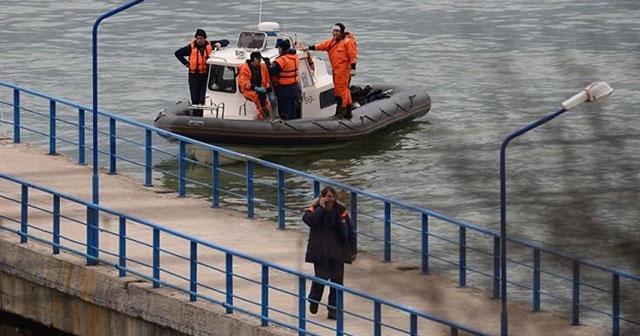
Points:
x=331 y=235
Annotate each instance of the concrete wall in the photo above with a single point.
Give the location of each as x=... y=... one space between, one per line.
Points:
x=61 y=292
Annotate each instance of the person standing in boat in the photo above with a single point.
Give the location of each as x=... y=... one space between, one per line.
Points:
x=343 y=55
x=332 y=243
x=198 y=51
x=284 y=75
x=254 y=83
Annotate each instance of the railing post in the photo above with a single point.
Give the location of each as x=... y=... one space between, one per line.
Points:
x=81 y=137
x=425 y=244
x=281 y=200
x=193 y=278
x=615 y=316
x=536 y=280
x=122 y=255
x=16 y=116
x=229 y=283
x=496 y=267
x=377 y=319
x=250 y=196
x=148 y=161
x=52 y=127
x=387 y=232
x=24 y=214
x=302 y=305
x=265 y=296
x=339 y=312
x=182 y=169
x=112 y=146
x=215 y=176
x=413 y=322
x=575 y=318
x=56 y=224
x=316 y=188
x=463 y=257
x=156 y=258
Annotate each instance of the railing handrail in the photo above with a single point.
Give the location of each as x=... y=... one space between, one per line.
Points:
x=326 y=181
x=262 y=262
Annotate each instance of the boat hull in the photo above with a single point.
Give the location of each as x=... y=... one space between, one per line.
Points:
x=299 y=135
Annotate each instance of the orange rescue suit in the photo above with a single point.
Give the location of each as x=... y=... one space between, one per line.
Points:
x=197 y=60
x=289 y=63
x=247 y=89
x=343 y=52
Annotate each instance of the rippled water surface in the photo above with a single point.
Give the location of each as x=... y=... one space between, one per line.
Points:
x=490 y=67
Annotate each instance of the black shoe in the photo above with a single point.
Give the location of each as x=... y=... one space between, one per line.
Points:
x=331 y=315
x=313 y=308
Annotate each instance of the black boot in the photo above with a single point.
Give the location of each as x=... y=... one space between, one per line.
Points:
x=331 y=314
x=340 y=112
x=347 y=112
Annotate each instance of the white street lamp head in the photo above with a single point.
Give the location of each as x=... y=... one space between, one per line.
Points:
x=595 y=91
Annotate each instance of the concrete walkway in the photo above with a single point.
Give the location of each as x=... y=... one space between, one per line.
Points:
x=433 y=294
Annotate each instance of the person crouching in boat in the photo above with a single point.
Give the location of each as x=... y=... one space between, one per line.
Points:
x=198 y=51
x=254 y=83
x=343 y=55
x=284 y=72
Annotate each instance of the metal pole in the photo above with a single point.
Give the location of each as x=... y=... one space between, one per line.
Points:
x=95 y=181
x=504 y=329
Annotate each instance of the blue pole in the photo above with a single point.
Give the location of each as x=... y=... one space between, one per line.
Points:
x=504 y=330
x=95 y=181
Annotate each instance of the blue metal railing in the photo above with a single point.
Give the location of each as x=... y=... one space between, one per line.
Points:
x=185 y=271
x=394 y=229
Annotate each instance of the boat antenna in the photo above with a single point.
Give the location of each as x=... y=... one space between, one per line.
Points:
x=260 y=14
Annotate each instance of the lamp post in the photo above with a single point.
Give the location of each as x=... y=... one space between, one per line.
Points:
x=92 y=230
x=593 y=92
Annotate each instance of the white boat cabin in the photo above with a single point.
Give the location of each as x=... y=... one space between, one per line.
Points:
x=224 y=99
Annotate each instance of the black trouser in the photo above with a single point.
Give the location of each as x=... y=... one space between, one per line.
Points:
x=198 y=89
x=332 y=270
x=288 y=107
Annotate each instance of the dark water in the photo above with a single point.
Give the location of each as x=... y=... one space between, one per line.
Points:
x=490 y=67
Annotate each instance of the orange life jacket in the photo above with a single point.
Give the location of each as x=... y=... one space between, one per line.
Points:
x=289 y=63
x=197 y=61
x=244 y=77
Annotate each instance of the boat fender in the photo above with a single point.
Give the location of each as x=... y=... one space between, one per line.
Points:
x=310 y=61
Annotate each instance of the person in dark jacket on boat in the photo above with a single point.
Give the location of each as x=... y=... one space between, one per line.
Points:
x=284 y=74
x=254 y=83
x=332 y=243
x=198 y=51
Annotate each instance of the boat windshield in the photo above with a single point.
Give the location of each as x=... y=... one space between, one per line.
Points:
x=252 y=40
x=222 y=78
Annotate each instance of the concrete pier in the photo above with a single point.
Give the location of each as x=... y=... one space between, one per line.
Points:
x=61 y=291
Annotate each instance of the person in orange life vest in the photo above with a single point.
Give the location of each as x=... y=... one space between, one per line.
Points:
x=343 y=55
x=198 y=51
x=331 y=244
x=284 y=74
x=254 y=83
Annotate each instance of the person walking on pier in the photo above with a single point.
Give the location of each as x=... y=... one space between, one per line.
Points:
x=332 y=243
x=198 y=51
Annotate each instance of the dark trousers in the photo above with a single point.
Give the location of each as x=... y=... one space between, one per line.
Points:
x=332 y=270
x=288 y=107
x=198 y=89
